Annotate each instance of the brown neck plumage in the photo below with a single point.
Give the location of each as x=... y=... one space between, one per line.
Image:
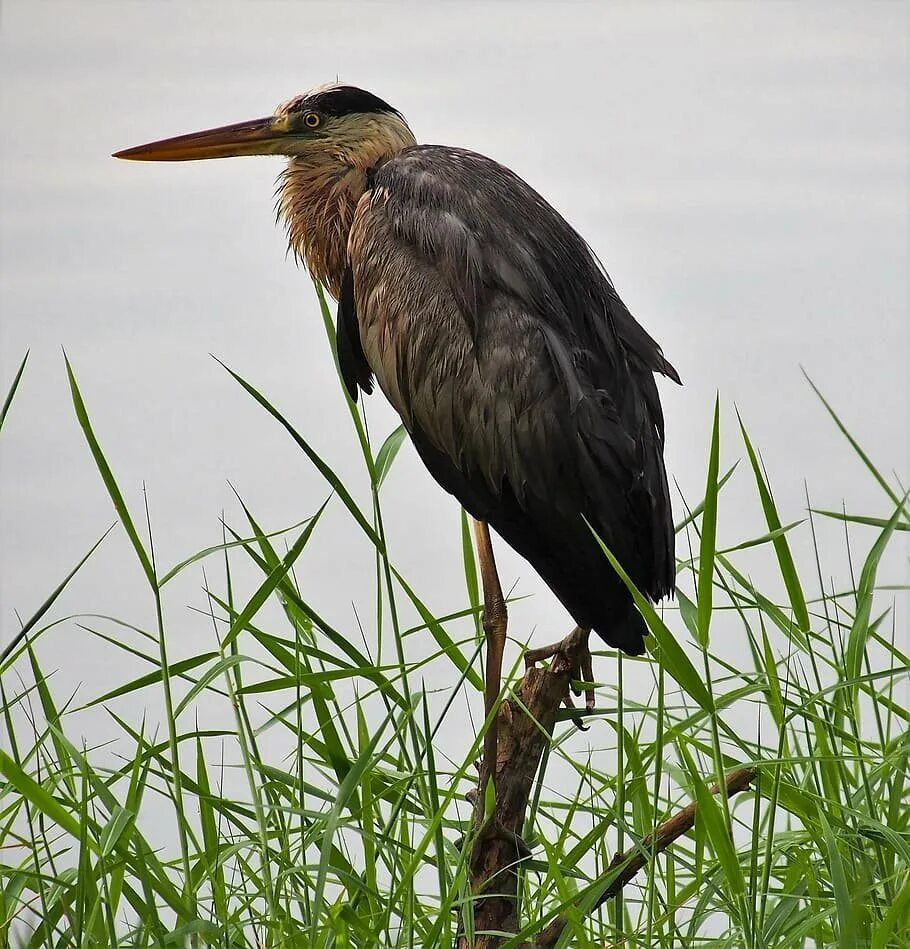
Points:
x=319 y=192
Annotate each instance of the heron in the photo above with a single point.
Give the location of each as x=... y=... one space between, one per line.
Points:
x=524 y=382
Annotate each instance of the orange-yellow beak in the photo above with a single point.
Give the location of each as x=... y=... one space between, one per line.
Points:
x=268 y=136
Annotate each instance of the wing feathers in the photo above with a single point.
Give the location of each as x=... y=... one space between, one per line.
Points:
x=355 y=370
x=526 y=384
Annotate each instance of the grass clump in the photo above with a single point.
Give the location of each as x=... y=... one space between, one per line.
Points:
x=307 y=788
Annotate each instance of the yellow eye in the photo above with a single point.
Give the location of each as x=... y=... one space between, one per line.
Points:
x=312 y=120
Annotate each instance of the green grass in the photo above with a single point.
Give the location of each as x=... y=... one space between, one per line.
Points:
x=184 y=834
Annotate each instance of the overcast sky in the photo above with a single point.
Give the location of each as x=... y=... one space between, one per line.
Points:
x=740 y=168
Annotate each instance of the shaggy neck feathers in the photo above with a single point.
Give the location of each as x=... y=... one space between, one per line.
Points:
x=319 y=191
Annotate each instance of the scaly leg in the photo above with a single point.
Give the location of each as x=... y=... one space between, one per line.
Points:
x=495 y=618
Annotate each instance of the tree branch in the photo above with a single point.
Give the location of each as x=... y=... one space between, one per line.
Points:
x=636 y=857
x=525 y=729
x=526 y=723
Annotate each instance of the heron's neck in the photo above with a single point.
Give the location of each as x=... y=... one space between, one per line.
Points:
x=319 y=194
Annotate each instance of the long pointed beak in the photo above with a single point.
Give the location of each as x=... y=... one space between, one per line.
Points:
x=266 y=136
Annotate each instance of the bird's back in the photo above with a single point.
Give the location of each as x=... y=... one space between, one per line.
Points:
x=525 y=383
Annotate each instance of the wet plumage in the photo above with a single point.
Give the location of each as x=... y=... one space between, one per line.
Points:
x=525 y=383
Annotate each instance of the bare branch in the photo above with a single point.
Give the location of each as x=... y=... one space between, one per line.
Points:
x=636 y=857
x=526 y=723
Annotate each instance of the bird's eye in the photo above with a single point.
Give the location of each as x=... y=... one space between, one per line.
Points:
x=312 y=120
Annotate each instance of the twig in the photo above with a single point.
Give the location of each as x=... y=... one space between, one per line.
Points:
x=636 y=857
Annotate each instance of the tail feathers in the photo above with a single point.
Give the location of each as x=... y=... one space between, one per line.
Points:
x=626 y=630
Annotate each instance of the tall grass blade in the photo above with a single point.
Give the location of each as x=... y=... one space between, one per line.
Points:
x=388 y=452
x=35 y=618
x=11 y=394
x=318 y=463
x=779 y=540
x=108 y=477
x=670 y=653
x=705 y=598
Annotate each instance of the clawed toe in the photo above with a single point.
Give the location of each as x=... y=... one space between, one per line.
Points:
x=533 y=656
x=577 y=720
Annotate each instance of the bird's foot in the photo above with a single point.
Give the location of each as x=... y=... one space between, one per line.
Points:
x=573 y=655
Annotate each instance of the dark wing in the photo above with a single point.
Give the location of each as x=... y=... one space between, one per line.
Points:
x=526 y=384
x=355 y=370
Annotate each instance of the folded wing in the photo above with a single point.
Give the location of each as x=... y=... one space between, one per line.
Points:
x=526 y=385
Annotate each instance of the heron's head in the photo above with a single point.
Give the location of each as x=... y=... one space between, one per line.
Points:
x=332 y=135
x=330 y=123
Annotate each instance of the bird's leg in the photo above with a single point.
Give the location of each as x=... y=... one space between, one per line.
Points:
x=495 y=618
x=582 y=668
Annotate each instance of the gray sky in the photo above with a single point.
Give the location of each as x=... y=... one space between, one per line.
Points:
x=740 y=168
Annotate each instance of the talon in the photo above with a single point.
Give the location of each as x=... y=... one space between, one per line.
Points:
x=577 y=720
